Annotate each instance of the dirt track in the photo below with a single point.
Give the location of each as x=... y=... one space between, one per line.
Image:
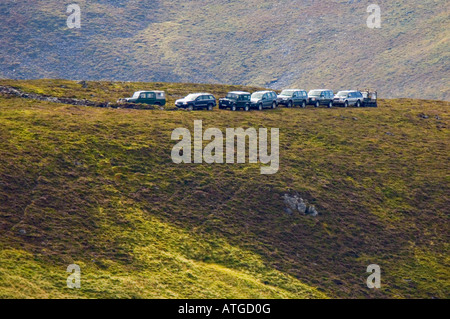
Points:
x=11 y=91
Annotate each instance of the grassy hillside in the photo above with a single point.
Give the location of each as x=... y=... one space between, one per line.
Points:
x=97 y=187
x=308 y=44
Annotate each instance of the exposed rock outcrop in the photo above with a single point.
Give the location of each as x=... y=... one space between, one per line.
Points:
x=296 y=204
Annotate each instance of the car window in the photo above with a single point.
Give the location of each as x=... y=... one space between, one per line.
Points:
x=211 y=97
x=142 y=96
x=150 y=95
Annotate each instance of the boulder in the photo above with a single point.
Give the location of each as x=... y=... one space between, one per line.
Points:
x=294 y=203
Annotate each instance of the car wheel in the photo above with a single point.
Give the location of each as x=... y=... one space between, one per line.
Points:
x=274 y=105
x=210 y=107
x=290 y=104
x=260 y=106
x=317 y=104
x=345 y=103
x=190 y=108
x=246 y=108
x=303 y=104
x=233 y=107
x=358 y=104
x=330 y=104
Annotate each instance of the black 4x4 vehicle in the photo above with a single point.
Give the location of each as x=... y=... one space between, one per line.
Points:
x=146 y=97
x=293 y=97
x=235 y=100
x=263 y=99
x=320 y=97
x=195 y=101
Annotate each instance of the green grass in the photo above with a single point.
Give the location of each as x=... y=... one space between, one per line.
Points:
x=164 y=262
x=97 y=187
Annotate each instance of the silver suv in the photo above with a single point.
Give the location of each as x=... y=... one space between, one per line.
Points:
x=347 y=98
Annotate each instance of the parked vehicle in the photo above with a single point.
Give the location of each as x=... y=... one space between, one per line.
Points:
x=293 y=97
x=348 y=98
x=370 y=98
x=146 y=97
x=263 y=99
x=320 y=97
x=235 y=100
x=195 y=101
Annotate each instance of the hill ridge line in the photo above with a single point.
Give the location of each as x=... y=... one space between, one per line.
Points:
x=12 y=91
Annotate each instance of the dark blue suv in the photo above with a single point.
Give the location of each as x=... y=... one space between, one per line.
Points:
x=263 y=99
x=195 y=101
x=293 y=97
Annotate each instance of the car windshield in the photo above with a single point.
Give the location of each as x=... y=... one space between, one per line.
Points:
x=136 y=95
x=314 y=93
x=191 y=97
x=232 y=96
x=287 y=93
x=342 y=93
x=257 y=95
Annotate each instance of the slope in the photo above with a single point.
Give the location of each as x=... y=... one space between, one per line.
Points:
x=97 y=186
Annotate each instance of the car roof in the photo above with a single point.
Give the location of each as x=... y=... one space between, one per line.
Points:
x=149 y=91
x=293 y=90
x=349 y=91
x=239 y=92
x=321 y=90
x=267 y=91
